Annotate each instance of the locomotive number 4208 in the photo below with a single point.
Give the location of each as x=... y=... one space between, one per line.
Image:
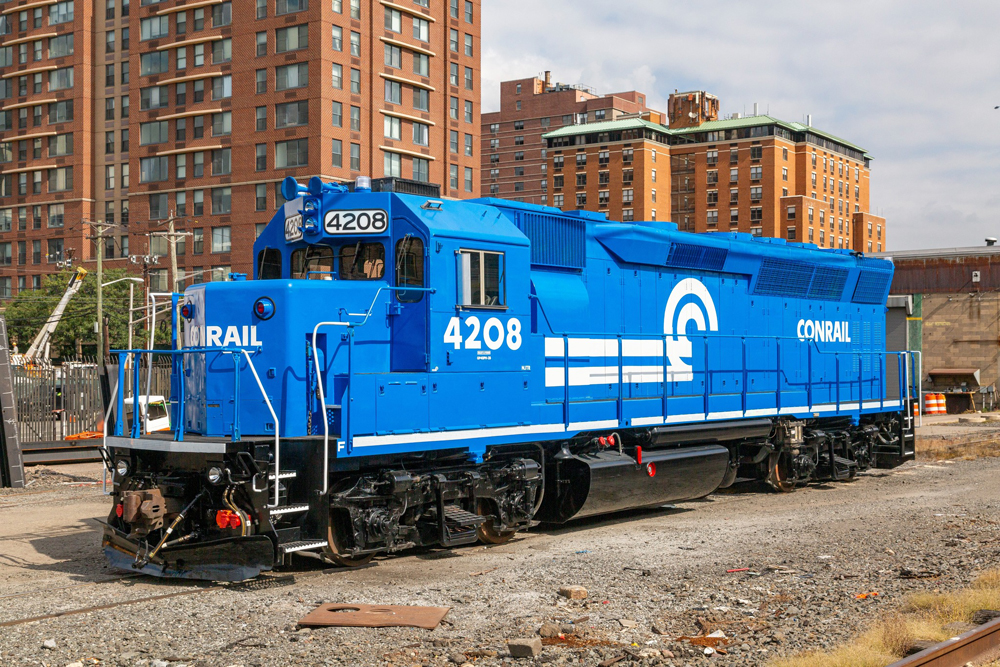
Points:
x=493 y=333
x=356 y=222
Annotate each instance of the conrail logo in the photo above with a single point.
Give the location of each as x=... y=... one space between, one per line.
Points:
x=698 y=309
x=824 y=331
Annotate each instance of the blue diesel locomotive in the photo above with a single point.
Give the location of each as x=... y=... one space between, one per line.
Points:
x=406 y=371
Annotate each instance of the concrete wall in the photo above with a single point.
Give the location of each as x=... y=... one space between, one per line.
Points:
x=961 y=331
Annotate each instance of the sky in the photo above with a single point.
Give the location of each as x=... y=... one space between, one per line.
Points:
x=914 y=82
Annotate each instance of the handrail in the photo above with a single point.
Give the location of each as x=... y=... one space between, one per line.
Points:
x=322 y=396
x=812 y=344
x=104 y=437
x=277 y=427
x=346 y=409
x=245 y=352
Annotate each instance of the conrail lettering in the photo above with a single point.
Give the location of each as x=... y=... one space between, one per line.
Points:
x=824 y=331
x=213 y=336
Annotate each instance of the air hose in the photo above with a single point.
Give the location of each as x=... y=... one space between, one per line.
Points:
x=144 y=561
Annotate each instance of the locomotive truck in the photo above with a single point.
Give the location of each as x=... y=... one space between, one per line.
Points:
x=406 y=371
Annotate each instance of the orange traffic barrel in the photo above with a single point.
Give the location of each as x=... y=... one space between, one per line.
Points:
x=934 y=404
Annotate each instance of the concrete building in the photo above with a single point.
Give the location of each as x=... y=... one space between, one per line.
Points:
x=949 y=299
x=231 y=97
x=513 y=152
x=756 y=174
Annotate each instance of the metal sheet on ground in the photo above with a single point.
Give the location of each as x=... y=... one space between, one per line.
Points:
x=374 y=616
x=11 y=465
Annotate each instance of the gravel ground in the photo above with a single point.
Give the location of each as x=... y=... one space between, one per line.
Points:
x=652 y=577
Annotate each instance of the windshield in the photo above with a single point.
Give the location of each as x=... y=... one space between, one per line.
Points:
x=362 y=261
x=316 y=258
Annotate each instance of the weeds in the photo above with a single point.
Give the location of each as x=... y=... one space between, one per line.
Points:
x=924 y=616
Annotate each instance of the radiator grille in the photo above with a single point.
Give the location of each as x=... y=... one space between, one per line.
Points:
x=791 y=278
x=555 y=241
x=690 y=256
x=872 y=287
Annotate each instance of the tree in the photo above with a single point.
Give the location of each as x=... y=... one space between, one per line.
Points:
x=27 y=312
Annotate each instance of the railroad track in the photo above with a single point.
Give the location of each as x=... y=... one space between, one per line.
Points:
x=958 y=651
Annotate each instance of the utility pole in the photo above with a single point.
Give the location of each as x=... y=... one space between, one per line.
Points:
x=99 y=237
x=173 y=236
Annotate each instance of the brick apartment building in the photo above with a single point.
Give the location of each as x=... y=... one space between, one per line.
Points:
x=229 y=97
x=513 y=153
x=756 y=174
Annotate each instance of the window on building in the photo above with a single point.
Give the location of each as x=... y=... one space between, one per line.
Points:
x=421 y=134
x=421 y=29
x=291 y=38
x=291 y=114
x=221 y=240
x=421 y=170
x=293 y=153
x=292 y=76
x=221 y=162
x=393 y=92
x=393 y=165
x=421 y=99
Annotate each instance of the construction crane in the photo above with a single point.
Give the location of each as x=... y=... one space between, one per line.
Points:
x=38 y=353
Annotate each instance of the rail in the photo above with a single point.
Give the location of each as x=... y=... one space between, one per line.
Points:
x=957 y=651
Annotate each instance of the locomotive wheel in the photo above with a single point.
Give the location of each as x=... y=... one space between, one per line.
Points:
x=334 y=548
x=486 y=532
x=777 y=473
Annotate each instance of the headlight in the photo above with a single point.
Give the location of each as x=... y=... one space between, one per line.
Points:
x=122 y=467
x=214 y=475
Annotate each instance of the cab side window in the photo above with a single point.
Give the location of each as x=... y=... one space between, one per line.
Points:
x=409 y=268
x=481 y=279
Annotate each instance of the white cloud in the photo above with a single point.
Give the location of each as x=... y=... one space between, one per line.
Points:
x=907 y=79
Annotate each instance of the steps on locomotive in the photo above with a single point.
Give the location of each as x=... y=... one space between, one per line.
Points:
x=845 y=468
x=302 y=545
x=459 y=526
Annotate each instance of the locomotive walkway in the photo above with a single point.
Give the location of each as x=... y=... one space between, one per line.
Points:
x=799 y=562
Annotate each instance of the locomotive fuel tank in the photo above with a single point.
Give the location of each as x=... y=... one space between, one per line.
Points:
x=606 y=481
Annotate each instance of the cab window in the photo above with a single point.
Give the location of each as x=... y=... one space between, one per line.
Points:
x=481 y=279
x=269 y=264
x=362 y=261
x=314 y=258
x=409 y=268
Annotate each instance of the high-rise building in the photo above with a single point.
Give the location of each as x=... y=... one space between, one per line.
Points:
x=231 y=96
x=755 y=174
x=513 y=153
x=47 y=152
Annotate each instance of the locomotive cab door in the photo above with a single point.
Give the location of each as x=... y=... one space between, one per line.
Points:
x=408 y=309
